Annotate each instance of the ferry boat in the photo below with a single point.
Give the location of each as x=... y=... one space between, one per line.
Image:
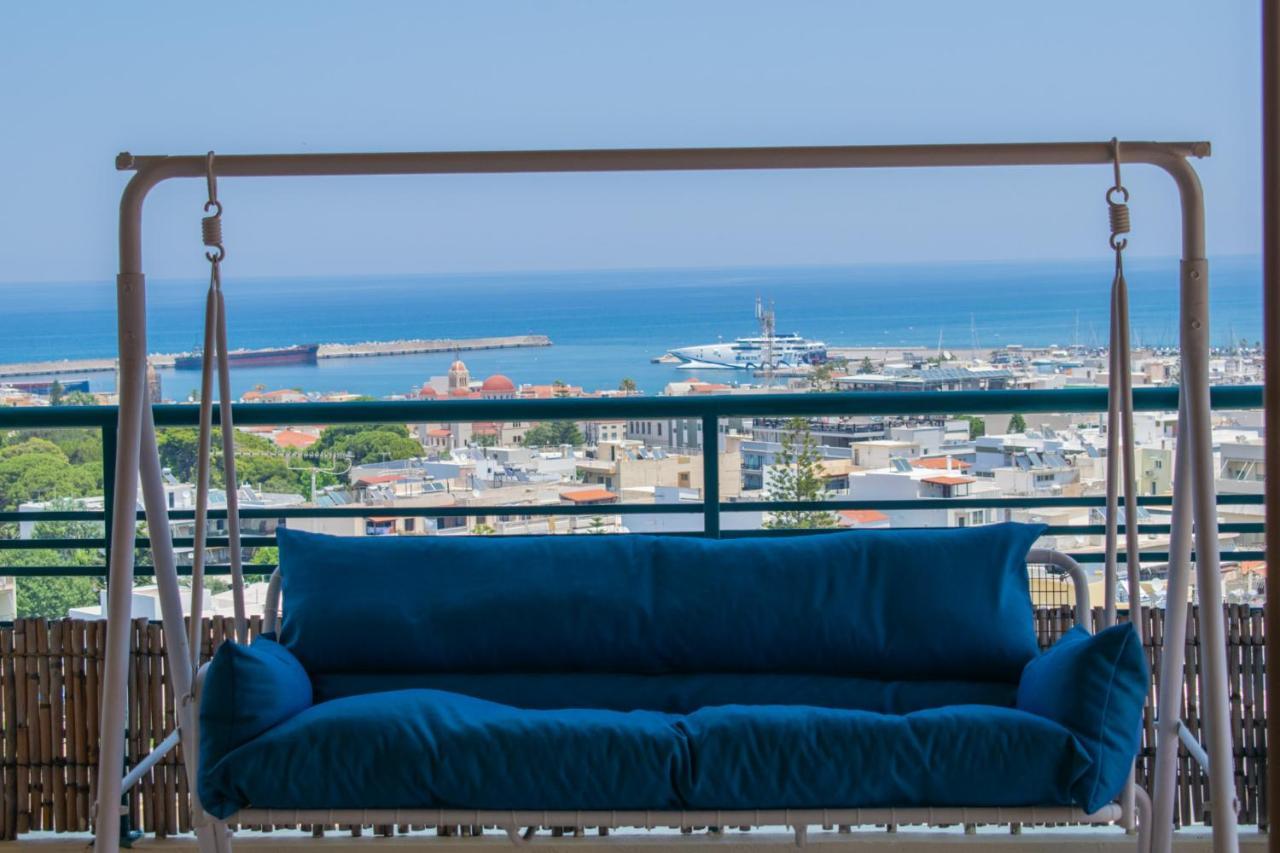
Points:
x=300 y=354
x=764 y=351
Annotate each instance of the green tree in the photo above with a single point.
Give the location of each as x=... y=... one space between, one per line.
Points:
x=866 y=366
x=368 y=442
x=553 y=434
x=1017 y=423
x=79 y=398
x=179 y=451
x=977 y=426
x=52 y=597
x=627 y=386
x=55 y=393
x=483 y=530
x=486 y=440
x=796 y=476
x=596 y=525
x=38 y=470
x=259 y=462
x=823 y=377
x=80 y=446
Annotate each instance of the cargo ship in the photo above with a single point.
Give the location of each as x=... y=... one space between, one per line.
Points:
x=300 y=354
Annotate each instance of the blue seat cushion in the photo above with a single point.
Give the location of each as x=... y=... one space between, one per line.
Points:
x=678 y=693
x=246 y=691
x=432 y=749
x=1095 y=685
x=945 y=604
x=798 y=757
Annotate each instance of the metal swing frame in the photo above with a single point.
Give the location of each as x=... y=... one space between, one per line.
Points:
x=1194 y=506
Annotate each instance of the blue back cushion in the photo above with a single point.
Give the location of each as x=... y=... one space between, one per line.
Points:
x=1096 y=686
x=248 y=690
x=679 y=693
x=901 y=604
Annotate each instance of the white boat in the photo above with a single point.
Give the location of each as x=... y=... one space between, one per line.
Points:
x=767 y=350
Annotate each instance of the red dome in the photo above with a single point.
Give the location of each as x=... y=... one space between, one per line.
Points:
x=460 y=392
x=428 y=391
x=497 y=383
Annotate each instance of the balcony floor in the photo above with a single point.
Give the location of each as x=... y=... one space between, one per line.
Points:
x=761 y=841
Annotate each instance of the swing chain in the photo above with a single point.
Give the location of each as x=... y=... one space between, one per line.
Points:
x=1118 y=211
x=211 y=226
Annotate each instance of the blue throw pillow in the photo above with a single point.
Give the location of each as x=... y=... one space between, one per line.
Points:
x=1096 y=686
x=248 y=690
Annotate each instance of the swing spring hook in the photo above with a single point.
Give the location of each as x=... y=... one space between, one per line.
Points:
x=211 y=226
x=1118 y=211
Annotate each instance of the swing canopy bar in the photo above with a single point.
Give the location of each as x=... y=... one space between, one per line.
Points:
x=666 y=159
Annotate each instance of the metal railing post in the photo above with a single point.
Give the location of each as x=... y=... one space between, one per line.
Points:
x=108 y=486
x=711 y=476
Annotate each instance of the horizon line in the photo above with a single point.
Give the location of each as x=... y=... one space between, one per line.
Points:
x=646 y=268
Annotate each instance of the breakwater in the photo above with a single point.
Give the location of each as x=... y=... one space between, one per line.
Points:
x=367 y=349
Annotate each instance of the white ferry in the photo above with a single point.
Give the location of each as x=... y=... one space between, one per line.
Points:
x=754 y=353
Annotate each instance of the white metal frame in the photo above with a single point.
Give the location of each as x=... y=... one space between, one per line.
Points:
x=137 y=460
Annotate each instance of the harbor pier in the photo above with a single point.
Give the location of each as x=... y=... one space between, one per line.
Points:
x=367 y=349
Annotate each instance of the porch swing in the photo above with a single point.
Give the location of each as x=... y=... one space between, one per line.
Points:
x=620 y=681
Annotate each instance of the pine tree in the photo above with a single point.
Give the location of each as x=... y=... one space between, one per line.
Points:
x=796 y=476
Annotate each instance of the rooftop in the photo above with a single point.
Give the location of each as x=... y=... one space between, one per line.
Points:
x=586 y=496
x=949 y=481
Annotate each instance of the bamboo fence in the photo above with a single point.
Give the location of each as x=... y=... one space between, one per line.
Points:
x=50 y=680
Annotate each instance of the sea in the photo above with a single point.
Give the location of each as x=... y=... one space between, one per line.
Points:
x=607 y=325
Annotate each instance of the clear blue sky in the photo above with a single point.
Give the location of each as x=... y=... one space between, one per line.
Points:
x=81 y=81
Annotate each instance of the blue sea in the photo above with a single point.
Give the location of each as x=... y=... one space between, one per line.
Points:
x=607 y=325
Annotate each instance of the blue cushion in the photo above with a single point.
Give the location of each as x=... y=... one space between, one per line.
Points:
x=1096 y=686
x=678 y=693
x=797 y=757
x=430 y=749
x=901 y=604
x=248 y=690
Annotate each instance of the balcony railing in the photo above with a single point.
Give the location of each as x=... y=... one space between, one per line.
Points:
x=709 y=409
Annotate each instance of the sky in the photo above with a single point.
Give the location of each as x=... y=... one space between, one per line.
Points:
x=80 y=81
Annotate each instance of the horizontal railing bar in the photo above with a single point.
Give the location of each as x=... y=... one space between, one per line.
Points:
x=55 y=515
x=139 y=571
x=1163 y=556
x=966 y=503
x=267 y=568
x=868 y=403
x=1100 y=529
x=662 y=159
x=683 y=507
x=268 y=541
x=140 y=542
